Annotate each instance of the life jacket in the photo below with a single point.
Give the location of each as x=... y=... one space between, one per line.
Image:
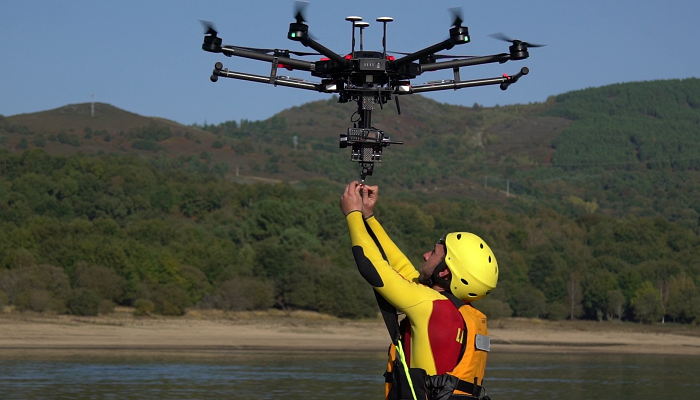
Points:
x=464 y=381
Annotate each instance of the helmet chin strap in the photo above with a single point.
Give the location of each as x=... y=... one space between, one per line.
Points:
x=436 y=279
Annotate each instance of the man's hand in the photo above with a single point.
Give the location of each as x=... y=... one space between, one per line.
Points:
x=351 y=200
x=370 y=194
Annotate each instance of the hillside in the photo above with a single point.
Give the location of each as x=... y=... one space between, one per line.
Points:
x=583 y=223
x=260 y=149
x=562 y=147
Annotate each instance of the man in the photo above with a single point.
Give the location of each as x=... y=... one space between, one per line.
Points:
x=439 y=351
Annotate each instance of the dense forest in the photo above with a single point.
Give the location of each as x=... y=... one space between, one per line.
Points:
x=595 y=215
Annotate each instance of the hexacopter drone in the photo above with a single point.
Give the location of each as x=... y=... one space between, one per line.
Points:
x=366 y=77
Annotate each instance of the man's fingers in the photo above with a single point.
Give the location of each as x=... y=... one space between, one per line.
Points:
x=350 y=187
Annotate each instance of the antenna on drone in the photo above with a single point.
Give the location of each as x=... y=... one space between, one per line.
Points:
x=92 y=105
x=362 y=26
x=353 y=19
x=384 y=20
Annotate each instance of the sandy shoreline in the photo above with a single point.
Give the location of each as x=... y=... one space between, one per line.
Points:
x=220 y=333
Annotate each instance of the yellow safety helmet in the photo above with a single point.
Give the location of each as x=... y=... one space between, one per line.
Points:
x=472 y=264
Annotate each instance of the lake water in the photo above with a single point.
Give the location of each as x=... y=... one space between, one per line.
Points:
x=265 y=375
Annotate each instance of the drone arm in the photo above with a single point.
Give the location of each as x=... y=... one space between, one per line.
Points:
x=273 y=80
x=294 y=63
x=324 y=50
x=499 y=58
x=445 y=45
x=504 y=81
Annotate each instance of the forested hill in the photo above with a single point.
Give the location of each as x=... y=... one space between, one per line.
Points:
x=654 y=123
x=592 y=212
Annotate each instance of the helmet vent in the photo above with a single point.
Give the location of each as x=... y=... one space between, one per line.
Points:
x=488 y=291
x=465 y=282
x=489 y=258
x=459 y=236
x=496 y=269
x=481 y=245
x=472 y=294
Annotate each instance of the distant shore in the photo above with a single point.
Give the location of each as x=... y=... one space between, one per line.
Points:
x=217 y=332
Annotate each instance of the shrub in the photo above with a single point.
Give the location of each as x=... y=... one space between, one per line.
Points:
x=143 y=307
x=39 y=300
x=217 y=145
x=557 y=312
x=58 y=306
x=531 y=304
x=19 y=284
x=151 y=132
x=83 y=302
x=22 y=301
x=244 y=294
x=39 y=140
x=3 y=299
x=101 y=280
x=68 y=138
x=146 y=145
x=106 y=307
x=195 y=282
x=169 y=299
x=494 y=308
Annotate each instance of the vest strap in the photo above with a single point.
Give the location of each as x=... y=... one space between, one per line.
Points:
x=468 y=387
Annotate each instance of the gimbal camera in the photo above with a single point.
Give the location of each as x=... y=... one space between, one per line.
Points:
x=368 y=78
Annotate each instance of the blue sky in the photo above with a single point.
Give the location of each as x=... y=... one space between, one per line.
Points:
x=145 y=56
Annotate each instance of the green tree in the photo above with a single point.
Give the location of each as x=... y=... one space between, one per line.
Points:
x=531 y=303
x=244 y=294
x=684 y=299
x=647 y=304
x=169 y=299
x=615 y=303
x=101 y=280
x=39 y=140
x=83 y=302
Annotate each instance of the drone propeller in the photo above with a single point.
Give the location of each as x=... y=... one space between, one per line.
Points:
x=501 y=36
x=456 y=16
x=300 y=16
x=209 y=28
x=300 y=11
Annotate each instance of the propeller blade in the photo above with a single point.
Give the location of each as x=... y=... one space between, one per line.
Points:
x=501 y=36
x=300 y=11
x=505 y=38
x=209 y=28
x=457 y=18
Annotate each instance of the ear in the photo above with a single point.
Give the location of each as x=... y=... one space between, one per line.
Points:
x=445 y=274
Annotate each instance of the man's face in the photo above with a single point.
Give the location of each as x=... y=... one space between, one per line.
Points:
x=431 y=260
